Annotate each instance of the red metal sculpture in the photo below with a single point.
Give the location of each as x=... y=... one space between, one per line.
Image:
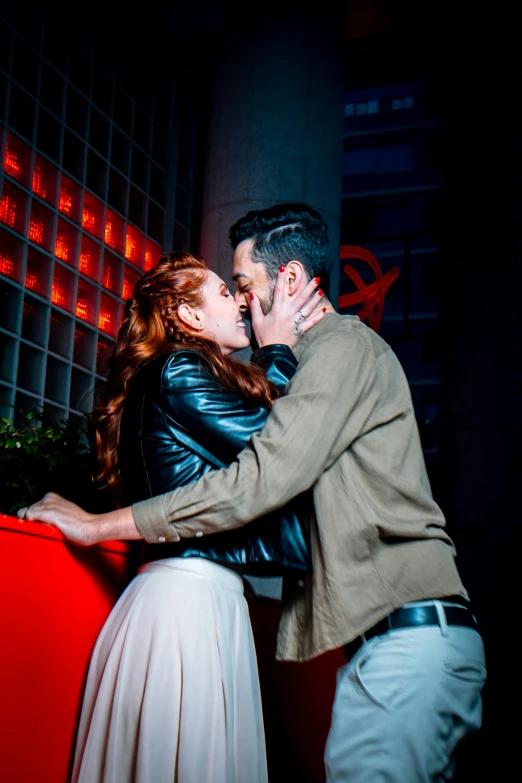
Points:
x=371 y=296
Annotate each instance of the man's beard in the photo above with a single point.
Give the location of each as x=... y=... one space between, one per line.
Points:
x=266 y=304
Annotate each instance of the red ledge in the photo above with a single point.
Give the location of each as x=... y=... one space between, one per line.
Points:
x=43 y=530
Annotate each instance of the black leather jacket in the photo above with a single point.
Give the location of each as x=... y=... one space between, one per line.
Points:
x=178 y=424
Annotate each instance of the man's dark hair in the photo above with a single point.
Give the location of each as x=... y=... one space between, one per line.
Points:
x=283 y=233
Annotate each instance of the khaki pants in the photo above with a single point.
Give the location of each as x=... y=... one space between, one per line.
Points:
x=402 y=704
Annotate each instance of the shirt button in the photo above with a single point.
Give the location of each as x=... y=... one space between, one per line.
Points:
x=198 y=533
x=300 y=583
x=161 y=539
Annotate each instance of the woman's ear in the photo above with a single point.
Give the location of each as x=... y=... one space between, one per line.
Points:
x=295 y=277
x=191 y=317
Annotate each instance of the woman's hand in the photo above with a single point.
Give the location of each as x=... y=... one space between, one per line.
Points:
x=78 y=525
x=290 y=316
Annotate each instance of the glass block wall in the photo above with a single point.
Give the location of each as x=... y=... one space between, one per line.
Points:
x=94 y=184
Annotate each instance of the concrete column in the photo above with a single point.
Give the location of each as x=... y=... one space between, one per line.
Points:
x=276 y=124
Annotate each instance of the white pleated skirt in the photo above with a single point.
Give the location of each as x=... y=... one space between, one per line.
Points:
x=172 y=694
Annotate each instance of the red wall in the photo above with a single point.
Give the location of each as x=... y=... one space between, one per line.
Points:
x=55 y=598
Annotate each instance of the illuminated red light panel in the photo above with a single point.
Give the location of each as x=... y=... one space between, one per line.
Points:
x=86 y=302
x=109 y=317
x=89 y=264
x=8 y=210
x=69 y=202
x=45 y=179
x=37 y=272
x=63 y=288
x=152 y=254
x=7 y=266
x=111 y=275
x=41 y=225
x=13 y=207
x=32 y=282
x=11 y=254
x=17 y=159
x=114 y=230
x=36 y=230
x=66 y=242
x=129 y=281
x=92 y=215
x=134 y=246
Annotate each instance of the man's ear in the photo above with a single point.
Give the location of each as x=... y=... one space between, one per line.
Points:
x=190 y=317
x=296 y=277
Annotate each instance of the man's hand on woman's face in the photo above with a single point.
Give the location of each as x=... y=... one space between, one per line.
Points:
x=291 y=315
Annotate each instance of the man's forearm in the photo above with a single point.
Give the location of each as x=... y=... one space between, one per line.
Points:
x=305 y=432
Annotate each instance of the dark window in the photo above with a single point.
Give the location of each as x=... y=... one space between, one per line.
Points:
x=49 y=135
x=76 y=111
x=433 y=216
x=79 y=69
x=141 y=132
x=3 y=93
x=122 y=111
x=99 y=130
x=183 y=206
x=156 y=223
x=102 y=91
x=117 y=191
x=26 y=65
x=139 y=169
x=433 y=152
x=143 y=91
x=21 y=112
x=157 y=184
x=137 y=206
x=185 y=170
x=120 y=151
x=96 y=175
x=51 y=90
x=180 y=239
x=55 y=46
x=430 y=344
x=159 y=147
x=430 y=278
x=5 y=49
x=162 y=108
x=73 y=154
x=355 y=228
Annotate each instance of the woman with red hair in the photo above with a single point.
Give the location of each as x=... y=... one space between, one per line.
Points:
x=172 y=692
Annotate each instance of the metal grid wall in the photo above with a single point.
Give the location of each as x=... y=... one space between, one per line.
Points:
x=92 y=180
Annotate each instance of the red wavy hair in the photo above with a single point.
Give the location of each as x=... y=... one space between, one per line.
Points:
x=151 y=327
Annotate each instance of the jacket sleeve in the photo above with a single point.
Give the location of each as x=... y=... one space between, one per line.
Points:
x=278 y=362
x=328 y=404
x=217 y=418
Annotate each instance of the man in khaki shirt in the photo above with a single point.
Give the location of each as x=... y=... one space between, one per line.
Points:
x=384 y=584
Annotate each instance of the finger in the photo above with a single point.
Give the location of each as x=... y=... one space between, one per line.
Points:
x=256 y=314
x=22 y=512
x=303 y=299
x=279 y=289
x=312 y=303
x=312 y=320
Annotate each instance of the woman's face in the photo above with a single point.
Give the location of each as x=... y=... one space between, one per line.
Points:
x=221 y=317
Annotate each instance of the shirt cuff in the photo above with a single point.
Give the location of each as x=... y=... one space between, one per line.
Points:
x=151 y=521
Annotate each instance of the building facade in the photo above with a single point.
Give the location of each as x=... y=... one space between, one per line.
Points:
x=96 y=179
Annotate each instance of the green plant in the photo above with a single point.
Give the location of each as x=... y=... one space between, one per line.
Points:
x=38 y=456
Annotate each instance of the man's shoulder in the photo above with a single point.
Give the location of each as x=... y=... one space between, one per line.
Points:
x=344 y=332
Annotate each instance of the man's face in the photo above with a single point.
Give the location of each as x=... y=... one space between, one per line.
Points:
x=250 y=277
